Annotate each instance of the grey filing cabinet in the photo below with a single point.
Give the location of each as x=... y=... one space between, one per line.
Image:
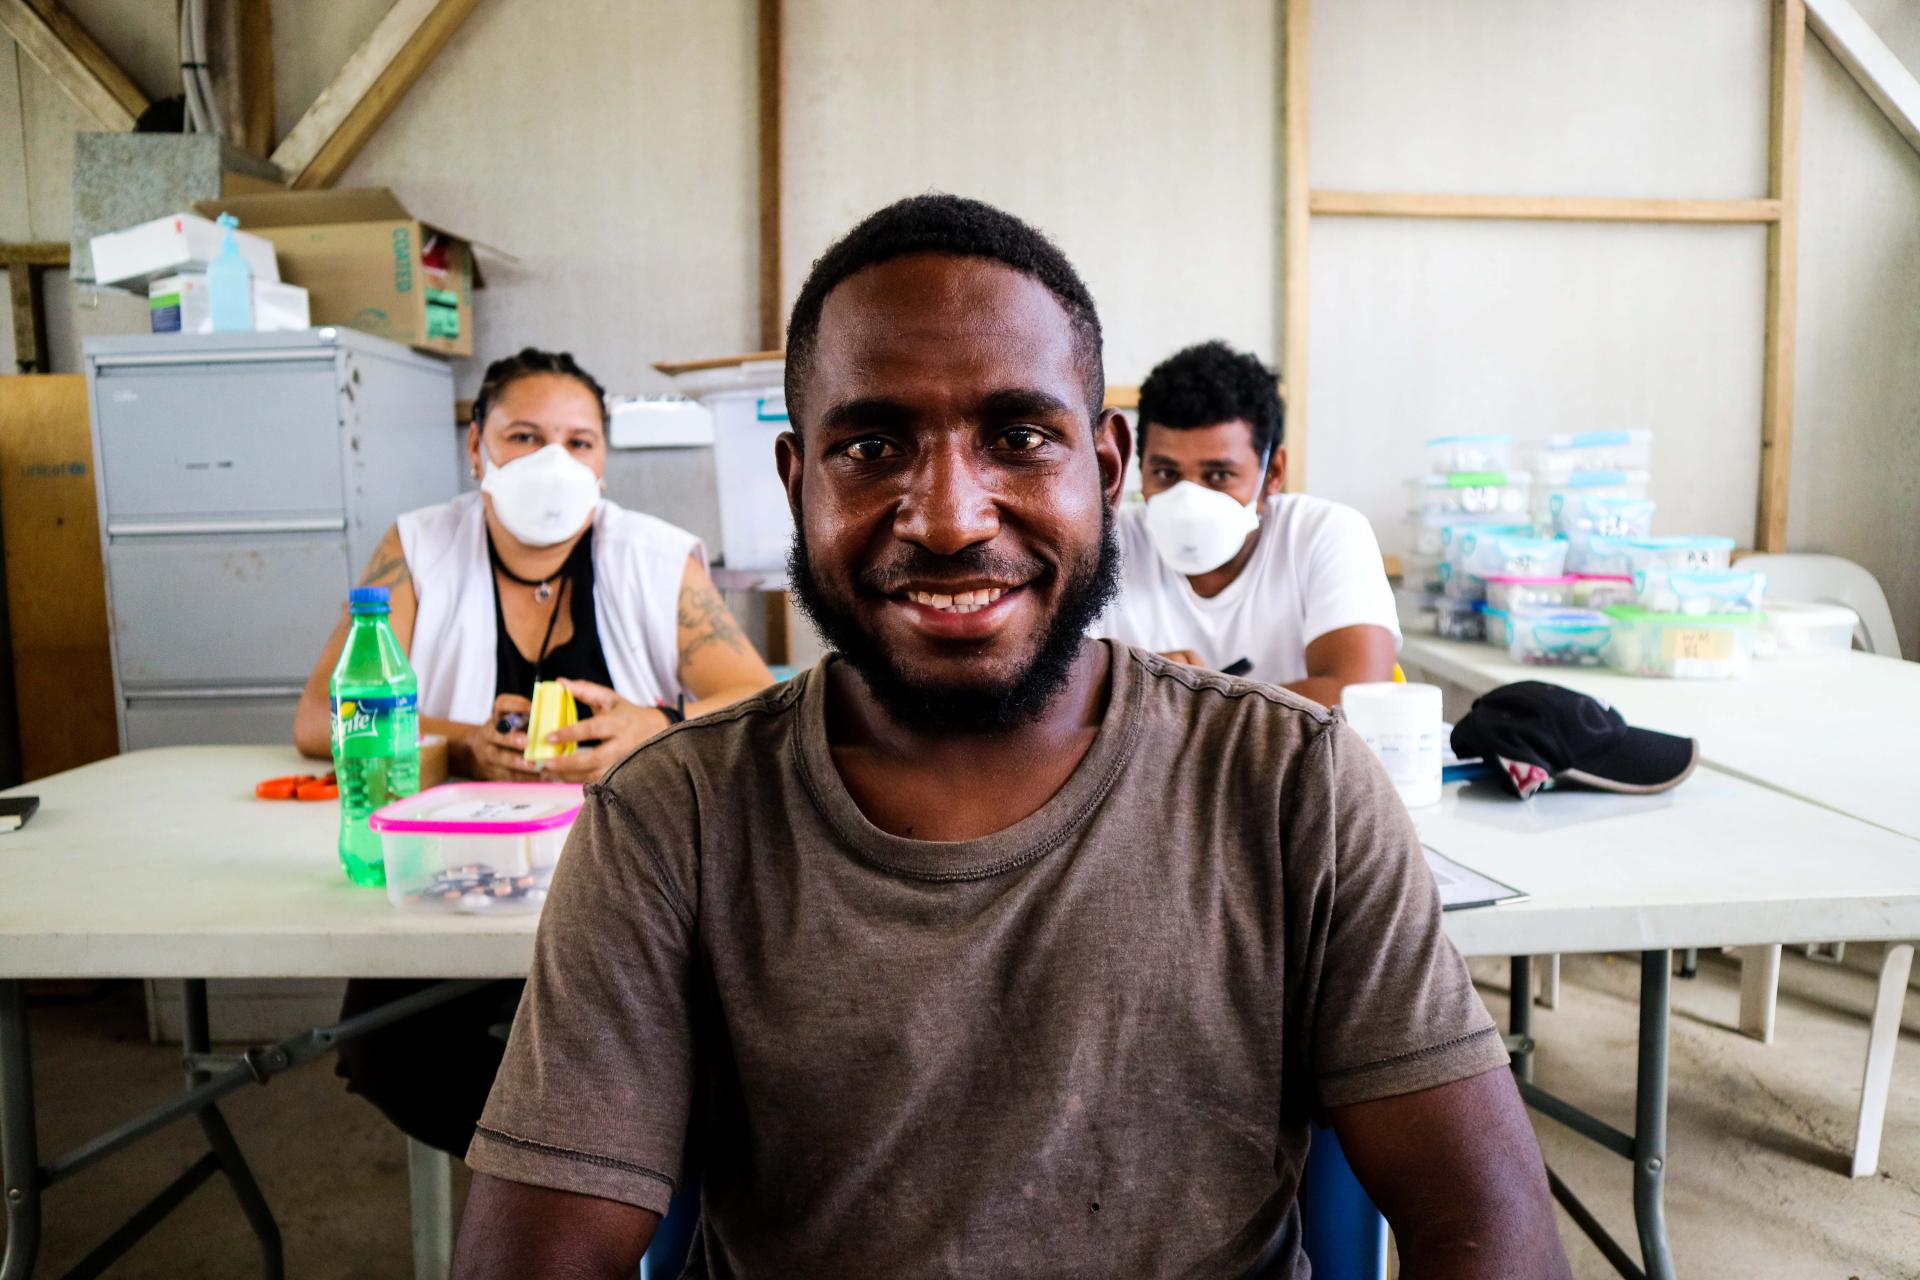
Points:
x=244 y=480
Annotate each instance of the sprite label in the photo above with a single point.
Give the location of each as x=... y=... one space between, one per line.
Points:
x=378 y=719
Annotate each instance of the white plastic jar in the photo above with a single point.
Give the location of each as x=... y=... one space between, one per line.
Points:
x=1402 y=725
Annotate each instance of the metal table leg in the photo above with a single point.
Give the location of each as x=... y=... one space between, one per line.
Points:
x=196 y=1041
x=1650 y=1116
x=1646 y=1146
x=23 y=1177
x=1520 y=1017
x=19 y=1143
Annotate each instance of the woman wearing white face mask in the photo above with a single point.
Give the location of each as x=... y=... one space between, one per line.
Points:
x=535 y=576
x=538 y=577
x=1223 y=569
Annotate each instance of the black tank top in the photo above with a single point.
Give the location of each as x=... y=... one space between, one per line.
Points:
x=580 y=658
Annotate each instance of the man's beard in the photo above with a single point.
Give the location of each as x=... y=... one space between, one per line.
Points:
x=1090 y=585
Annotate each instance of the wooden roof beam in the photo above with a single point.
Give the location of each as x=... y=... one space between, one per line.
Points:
x=1876 y=68
x=76 y=62
x=349 y=110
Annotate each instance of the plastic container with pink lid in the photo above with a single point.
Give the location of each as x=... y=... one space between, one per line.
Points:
x=475 y=847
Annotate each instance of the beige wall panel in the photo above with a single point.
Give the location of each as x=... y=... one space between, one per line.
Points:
x=14 y=218
x=617 y=166
x=1142 y=136
x=1856 y=437
x=1541 y=97
x=1431 y=328
x=312 y=41
x=142 y=37
x=51 y=119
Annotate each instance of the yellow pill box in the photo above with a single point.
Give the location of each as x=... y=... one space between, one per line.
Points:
x=553 y=708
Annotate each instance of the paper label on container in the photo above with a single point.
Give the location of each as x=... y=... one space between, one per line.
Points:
x=1697 y=644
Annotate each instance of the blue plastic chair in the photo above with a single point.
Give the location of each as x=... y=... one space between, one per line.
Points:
x=1344 y=1235
x=666 y=1257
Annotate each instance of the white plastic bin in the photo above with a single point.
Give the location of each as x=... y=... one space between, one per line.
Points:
x=1679 y=647
x=749 y=405
x=1471 y=493
x=1417 y=610
x=1457 y=619
x=1695 y=592
x=1421 y=573
x=1433 y=531
x=1509 y=591
x=1565 y=498
x=1485 y=452
x=1598 y=590
x=1564 y=455
x=1505 y=555
x=1797 y=630
x=1559 y=637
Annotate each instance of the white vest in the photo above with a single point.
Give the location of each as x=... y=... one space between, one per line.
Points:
x=638 y=564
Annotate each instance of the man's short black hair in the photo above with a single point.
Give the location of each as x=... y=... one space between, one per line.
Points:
x=1212 y=383
x=952 y=225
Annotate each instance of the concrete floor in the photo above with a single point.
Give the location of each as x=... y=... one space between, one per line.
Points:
x=1757 y=1186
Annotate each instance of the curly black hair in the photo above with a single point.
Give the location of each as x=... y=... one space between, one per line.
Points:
x=1211 y=383
x=938 y=223
x=524 y=363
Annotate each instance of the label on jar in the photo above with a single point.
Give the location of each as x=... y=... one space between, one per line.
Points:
x=1412 y=761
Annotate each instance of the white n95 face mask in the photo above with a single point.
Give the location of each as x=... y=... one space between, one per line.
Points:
x=1196 y=529
x=544 y=497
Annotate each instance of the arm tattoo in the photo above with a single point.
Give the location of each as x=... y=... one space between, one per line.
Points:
x=386 y=570
x=705 y=620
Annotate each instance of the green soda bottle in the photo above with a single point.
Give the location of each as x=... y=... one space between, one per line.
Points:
x=376 y=731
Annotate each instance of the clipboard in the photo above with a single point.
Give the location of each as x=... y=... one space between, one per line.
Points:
x=1462 y=888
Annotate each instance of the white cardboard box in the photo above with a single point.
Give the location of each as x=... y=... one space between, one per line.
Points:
x=658 y=422
x=180 y=304
x=175 y=243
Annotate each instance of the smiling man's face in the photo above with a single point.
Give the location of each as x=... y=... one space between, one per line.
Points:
x=952 y=491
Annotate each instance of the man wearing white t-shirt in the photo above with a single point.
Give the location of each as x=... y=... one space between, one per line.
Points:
x=1221 y=568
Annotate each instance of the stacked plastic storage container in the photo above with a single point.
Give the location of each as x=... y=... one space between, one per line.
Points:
x=1469 y=502
x=1594 y=486
x=1561 y=564
x=1692 y=618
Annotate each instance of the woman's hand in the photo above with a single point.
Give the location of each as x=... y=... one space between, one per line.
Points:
x=494 y=756
x=616 y=724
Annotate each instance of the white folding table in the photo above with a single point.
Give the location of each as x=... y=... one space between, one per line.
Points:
x=160 y=864
x=1842 y=731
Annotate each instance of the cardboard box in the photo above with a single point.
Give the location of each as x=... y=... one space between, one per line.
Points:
x=178 y=242
x=56 y=589
x=179 y=304
x=370 y=265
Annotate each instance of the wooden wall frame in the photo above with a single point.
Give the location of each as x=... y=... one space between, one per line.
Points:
x=25 y=265
x=1778 y=211
x=773 y=326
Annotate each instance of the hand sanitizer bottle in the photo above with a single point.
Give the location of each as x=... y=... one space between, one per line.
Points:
x=230 y=285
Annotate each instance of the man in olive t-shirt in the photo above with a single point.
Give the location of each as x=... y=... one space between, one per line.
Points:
x=982 y=948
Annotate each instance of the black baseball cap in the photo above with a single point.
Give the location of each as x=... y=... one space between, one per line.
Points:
x=1539 y=734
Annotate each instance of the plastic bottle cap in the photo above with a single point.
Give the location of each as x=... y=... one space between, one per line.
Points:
x=367 y=595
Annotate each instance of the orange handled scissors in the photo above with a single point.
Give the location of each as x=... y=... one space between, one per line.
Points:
x=299 y=786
